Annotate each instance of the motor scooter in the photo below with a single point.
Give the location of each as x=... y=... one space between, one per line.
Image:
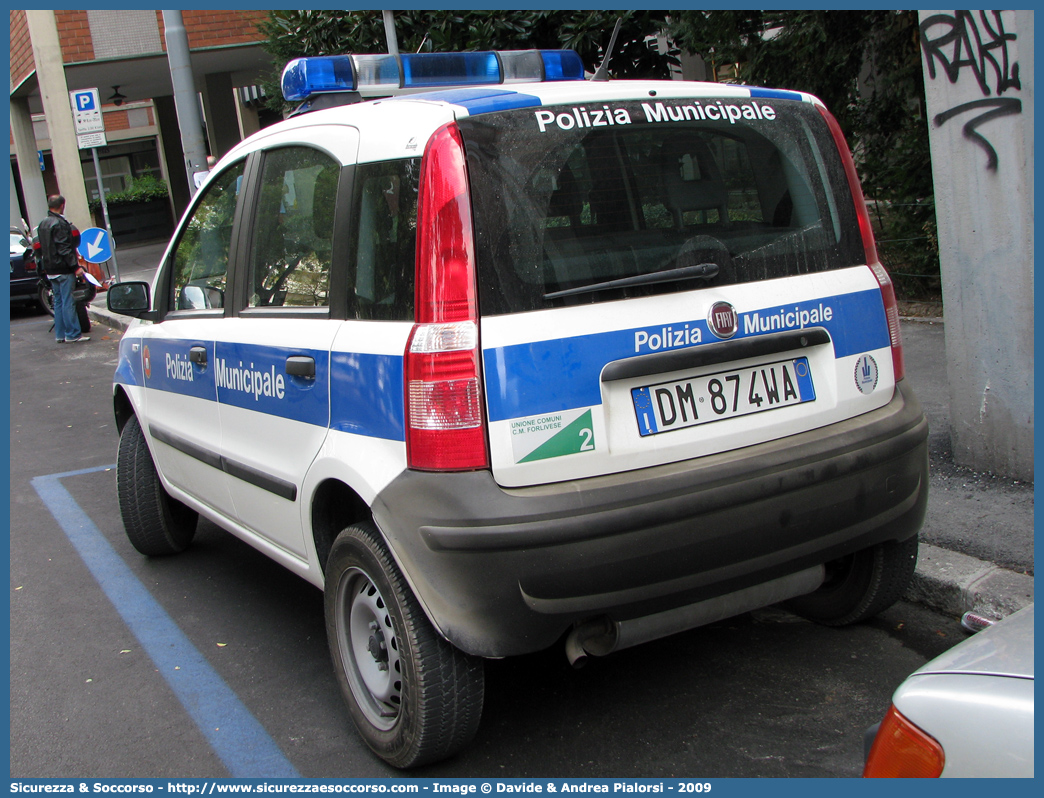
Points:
x=83 y=293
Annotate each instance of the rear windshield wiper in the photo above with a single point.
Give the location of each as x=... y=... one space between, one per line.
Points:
x=701 y=271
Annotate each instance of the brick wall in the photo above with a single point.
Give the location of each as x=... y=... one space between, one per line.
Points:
x=218 y=28
x=22 y=62
x=205 y=29
x=74 y=35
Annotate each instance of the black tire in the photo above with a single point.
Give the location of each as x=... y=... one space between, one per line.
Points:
x=413 y=697
x=861 y=585
x=45 y=298
x=85 y=320
x=156 y=524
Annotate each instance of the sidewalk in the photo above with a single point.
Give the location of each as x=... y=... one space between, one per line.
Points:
x=976 y=548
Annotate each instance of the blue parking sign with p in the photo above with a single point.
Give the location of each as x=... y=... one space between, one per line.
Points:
x=84 y=101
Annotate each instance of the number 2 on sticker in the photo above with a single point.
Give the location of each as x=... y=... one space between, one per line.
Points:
x=588 y=436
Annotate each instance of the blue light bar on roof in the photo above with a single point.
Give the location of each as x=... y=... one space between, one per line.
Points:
x=378 y=70
x=304 y=77
x=431 y=70
x=562 y=65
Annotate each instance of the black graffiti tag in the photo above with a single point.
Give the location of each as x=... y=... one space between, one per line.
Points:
x=964 y=45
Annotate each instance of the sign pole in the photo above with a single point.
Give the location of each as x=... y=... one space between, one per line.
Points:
x=105 y=210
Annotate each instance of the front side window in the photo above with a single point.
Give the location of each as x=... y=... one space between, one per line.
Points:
x=292 y=244
x=201 y=256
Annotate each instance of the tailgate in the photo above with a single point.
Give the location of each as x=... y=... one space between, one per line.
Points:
x=595 y=389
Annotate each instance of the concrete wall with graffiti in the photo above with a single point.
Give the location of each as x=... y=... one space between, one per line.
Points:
x=978 y=69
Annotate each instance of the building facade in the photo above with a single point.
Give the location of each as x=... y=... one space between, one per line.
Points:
x=123 y=54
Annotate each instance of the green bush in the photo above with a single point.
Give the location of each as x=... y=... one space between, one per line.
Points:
x=145 y=188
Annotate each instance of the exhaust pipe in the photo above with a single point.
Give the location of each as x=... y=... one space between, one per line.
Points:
x=599 y=636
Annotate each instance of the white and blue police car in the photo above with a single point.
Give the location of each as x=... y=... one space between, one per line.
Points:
x=506 y=358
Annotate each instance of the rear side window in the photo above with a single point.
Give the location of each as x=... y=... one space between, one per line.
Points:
x=569 y=199
x=384 y=240
x=292 y=247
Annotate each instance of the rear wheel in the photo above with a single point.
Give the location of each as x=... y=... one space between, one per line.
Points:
x=861 y=585
x=84 y=319
x=45 y=297
x=155 y=522
x=414 y=698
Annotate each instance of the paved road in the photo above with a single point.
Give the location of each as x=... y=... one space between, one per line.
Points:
x=94 y=692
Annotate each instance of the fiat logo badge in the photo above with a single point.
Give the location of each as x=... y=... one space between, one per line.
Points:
x=723 y=320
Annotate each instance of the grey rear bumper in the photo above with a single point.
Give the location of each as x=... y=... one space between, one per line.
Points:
x=507 y=571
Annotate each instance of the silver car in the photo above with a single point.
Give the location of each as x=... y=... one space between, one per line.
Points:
x=967 y=713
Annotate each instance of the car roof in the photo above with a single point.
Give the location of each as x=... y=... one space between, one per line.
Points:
x=416 y=115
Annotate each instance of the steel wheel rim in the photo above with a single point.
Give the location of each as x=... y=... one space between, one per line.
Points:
x=369 y=648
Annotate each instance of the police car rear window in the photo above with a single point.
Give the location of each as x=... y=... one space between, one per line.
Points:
x=604 y=201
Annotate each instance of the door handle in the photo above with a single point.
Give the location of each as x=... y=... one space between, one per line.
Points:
x=301 y=366
x=198 y=355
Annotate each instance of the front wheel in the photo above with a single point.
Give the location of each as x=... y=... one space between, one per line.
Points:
x=413 y=697
x=155 y=522
x=861 y=585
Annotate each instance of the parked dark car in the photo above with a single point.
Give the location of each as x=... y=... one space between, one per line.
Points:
x=24 y=277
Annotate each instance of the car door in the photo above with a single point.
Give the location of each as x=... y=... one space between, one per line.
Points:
x=273 y=358
x=178 y=351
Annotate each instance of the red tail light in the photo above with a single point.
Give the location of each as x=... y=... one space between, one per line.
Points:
x=901 y=750
x=891 y=307
x=445 y=423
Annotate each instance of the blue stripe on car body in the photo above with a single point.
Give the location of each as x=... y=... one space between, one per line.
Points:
x=564 y=373
x=776 y=94
x=366 y=395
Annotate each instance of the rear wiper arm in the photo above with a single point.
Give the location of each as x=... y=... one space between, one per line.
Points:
x=701 y=271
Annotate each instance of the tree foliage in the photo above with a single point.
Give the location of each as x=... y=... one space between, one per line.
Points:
x=866 y=67
x=292 y=34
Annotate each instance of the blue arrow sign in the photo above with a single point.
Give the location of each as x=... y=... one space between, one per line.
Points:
x=95 y=245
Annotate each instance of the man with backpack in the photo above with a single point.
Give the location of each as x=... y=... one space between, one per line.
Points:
x=58 y=239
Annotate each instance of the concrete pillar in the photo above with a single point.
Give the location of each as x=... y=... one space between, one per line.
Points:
x=173 y=155
x=219 y=105
x=978 y=69
x=249 y=123
x=186 y=99
x=54 y=91
x=29 y=174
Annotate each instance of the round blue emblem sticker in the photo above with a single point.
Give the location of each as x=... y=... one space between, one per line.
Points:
x=866 y=374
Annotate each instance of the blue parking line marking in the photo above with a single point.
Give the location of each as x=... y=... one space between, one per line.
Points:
x=235 y=735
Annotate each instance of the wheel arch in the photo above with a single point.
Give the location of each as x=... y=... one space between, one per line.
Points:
x=335 y=506
x=122 y=407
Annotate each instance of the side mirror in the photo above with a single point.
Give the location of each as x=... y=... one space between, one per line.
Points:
x=129 y=299
x=192 y=297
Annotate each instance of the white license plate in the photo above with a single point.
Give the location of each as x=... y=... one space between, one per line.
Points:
x=668 y=406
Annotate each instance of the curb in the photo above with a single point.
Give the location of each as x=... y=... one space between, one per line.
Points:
x=946 y=581
x=953 y=583
x=100 y=314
